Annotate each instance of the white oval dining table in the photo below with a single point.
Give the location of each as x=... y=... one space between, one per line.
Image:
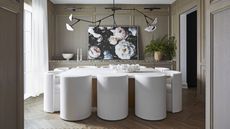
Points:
x=97 y=71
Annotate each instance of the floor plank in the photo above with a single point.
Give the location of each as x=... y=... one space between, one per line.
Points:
x=192 y=117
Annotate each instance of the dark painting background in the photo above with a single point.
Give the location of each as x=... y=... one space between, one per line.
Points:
x=106 y=47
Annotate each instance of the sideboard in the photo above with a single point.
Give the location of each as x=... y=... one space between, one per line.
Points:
x=73 y=63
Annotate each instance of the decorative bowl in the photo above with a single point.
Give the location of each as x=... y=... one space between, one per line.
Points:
x=67 y=56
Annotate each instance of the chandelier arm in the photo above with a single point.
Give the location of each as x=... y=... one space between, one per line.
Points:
x=79 y=19
x=144 y=14
x=83 y=20
x=99 y=23
x=146 y=20
x=104 y=18
x=75 y=22
x=114 y=22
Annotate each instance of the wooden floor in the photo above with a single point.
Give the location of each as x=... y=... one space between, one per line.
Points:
x=192 y=117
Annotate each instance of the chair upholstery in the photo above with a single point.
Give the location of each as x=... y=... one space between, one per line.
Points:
x=174 y=91
x=150 y=96
x=112 y=96
x=51 y=92
x=76 y=98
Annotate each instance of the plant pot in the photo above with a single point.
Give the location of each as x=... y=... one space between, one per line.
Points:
x=157 y=56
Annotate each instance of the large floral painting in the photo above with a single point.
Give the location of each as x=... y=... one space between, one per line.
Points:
x=113 y=43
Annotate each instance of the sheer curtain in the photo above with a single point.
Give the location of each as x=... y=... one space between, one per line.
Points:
x=39 y=48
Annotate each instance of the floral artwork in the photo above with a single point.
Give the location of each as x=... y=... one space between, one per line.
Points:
x=113 y=43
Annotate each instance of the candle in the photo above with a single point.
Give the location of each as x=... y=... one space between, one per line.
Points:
x=77 y=54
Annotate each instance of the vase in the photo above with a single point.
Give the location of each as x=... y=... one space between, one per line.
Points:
x=157 y=56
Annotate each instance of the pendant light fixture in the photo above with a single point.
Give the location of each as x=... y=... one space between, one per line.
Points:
x=151 y=23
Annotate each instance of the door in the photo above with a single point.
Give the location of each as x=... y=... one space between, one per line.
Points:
x=11 y=65
x=218 y=60
x=192 y=49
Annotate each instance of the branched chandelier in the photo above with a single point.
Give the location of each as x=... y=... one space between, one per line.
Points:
x=151 y=23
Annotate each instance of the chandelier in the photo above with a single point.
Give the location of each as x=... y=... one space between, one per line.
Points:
x=151 y=23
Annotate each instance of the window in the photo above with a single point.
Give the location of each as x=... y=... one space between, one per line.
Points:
x=27 y=46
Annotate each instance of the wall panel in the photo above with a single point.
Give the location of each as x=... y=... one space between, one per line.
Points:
x=69 y=41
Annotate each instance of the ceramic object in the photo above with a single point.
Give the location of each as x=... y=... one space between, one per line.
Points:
x=67 y=56
x=157 y=56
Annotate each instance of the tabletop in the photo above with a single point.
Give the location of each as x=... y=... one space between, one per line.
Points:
x=97 y=71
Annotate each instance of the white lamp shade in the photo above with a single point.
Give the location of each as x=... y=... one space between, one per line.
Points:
x=69 y=28
x=71 y=17
x=154 y=22
x=150 y=28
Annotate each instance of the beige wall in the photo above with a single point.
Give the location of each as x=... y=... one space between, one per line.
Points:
x=177 y=8
x=51 y=28
x=66 y=41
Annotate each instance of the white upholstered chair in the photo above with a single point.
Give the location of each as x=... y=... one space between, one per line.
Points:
x=174 y=91
x=51 y=92
x=76 y=97
x=150 y=96
x=112 y=96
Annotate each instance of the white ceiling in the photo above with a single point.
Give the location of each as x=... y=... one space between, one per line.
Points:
x=111 y=1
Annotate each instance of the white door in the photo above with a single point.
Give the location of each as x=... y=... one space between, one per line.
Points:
x=218 y=62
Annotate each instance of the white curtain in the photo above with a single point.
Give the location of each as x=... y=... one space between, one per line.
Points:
x=39 y=49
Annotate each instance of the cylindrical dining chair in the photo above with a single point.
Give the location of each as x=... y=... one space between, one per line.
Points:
x=52 y=92
x=174 y=91
x=150 y=96
x=112 y=96
x=76 y=97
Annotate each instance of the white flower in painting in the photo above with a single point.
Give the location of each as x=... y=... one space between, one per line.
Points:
x=125 y=50
x=113 y=40
x=96 y=35
x=119 y=33
x=133 y=31
x=94 y=52
x=101 y=28
x=109 y=28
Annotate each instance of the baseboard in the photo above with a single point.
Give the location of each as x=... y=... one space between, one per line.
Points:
x=185 y=86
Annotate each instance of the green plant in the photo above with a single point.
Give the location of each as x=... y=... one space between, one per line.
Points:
x=156 y=45
x=166 y=45
x=170 y=48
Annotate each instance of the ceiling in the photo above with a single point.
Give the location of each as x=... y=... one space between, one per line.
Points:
x=111 y=1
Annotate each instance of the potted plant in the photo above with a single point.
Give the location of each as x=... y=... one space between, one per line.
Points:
x=165 y=46
x=170 y=48
x=156 y=47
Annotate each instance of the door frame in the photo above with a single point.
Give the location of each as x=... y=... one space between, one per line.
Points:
x=213 y=7
x=16 y=7
x=183 y=44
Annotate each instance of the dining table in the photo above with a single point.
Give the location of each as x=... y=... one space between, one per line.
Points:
x=97 y=71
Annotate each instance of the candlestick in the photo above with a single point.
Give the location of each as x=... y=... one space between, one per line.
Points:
x=80 y=54
x=77 y=54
